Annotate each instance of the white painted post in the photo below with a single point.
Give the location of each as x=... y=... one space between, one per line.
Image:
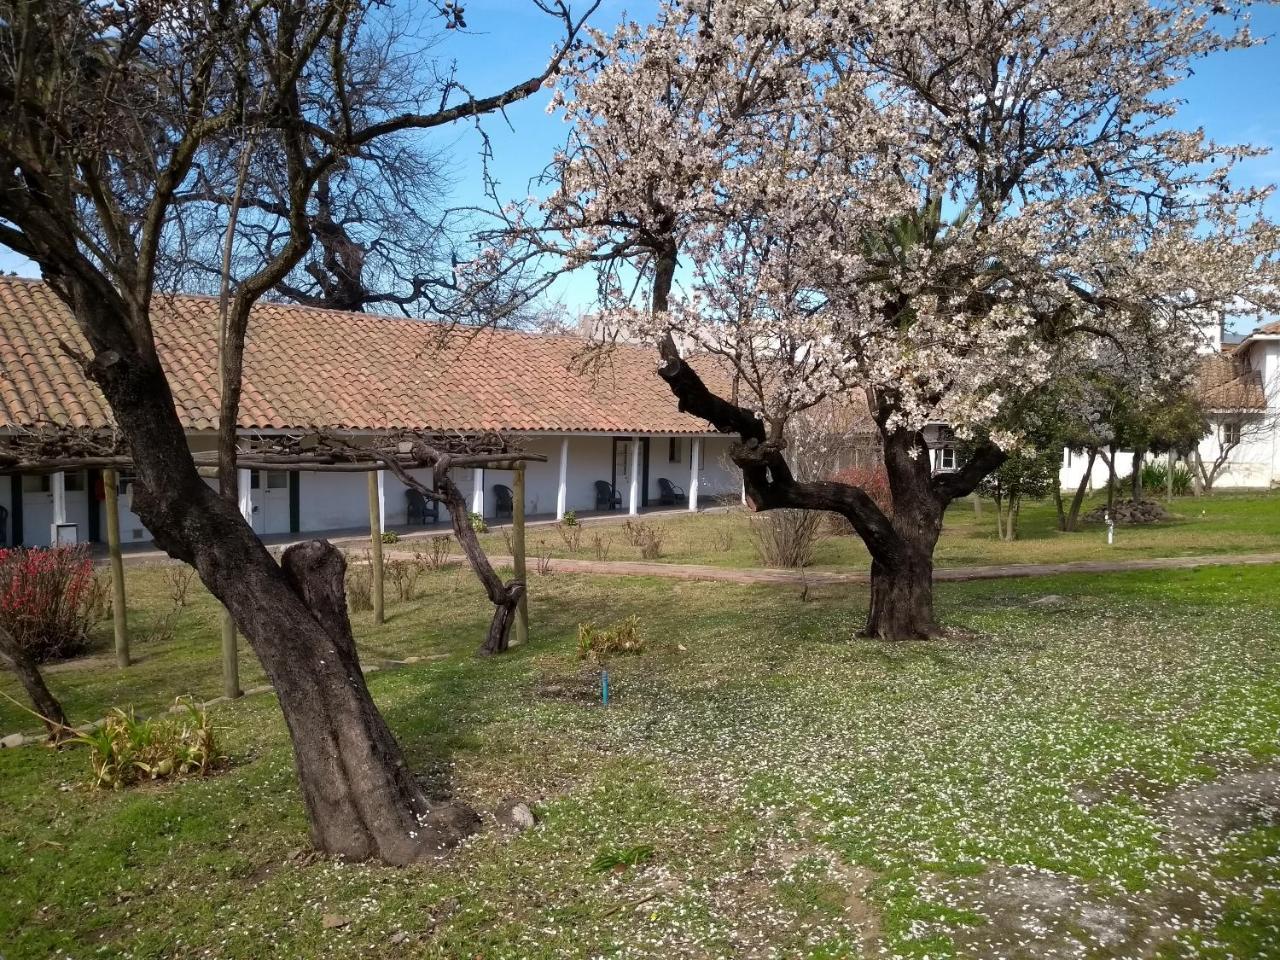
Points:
x=245 y=483
x=633 y=506
x=58 y=488
x=382 y=501
x=477 y=491
x=562 y=493
x=744 y=491
x=695 y=455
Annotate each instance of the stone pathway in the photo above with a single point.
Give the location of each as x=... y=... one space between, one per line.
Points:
x=698 y=571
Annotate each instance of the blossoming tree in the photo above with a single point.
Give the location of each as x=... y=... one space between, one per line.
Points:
x=930 y=209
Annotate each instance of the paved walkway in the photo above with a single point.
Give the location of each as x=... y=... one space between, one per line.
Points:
x=697 y=571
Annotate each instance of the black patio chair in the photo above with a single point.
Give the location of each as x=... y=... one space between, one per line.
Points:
x=669 y=494
x=421 y=510
x=504 y=505
x=607 y=498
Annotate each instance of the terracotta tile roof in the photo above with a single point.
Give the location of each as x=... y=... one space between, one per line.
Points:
x=308 y=368
x=1225 y=384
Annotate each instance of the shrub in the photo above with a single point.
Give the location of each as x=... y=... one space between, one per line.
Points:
x=874 y=482
x=543 y=563
x=47 y=600
x=651 y=545
x=437 y=553
x=600 y=546
x=636 y=531
x=391 y=537
x=126 y=750
x=98 y=601
x=359 y=587
x=570 y=519
x=570 y=533
x=477 y=523
x=404 y=574
x=647 y=536
x=179 y=576
x=1155 y=478
x=786 y=538
x=623 y=637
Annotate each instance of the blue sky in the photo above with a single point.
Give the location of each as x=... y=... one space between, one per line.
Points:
x=1235 y=97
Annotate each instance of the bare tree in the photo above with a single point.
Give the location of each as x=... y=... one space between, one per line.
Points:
x=1233 y=431
x=109 y=109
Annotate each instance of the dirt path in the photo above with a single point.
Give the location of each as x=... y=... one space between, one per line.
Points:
x=698 y=571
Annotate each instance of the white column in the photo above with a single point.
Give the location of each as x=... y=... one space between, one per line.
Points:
x=695 y=456
x=562 y=492
x=634 y=502
x=58 y=490
x=477 y=491
x=382 y=501
x=245 y=485
x=744 y=491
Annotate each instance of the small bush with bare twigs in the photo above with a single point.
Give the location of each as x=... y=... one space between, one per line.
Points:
x=437 y=552
x=359 y=587
x=600 y=546
x=787 y=538
x=404 y=574
x=637 y=531
x=98 y=598
x=543 y=562
x=651 y=545
x=178 y=577
x=571 y=534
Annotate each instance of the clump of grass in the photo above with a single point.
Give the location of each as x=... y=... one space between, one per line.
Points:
x=126 y=750
x=623 y=637
x=621 y=859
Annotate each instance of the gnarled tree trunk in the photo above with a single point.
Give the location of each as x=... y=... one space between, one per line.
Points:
x=361 y=799
x=902 y=600
x=902 y=566
x=505 y=597
x=1077 y=501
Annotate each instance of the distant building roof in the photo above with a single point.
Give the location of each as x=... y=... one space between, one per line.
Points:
x=1224 y=384
x=321 y=369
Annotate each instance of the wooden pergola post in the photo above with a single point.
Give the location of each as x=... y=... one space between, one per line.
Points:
x=517 y=549
x=375 y=541
x=119 y=616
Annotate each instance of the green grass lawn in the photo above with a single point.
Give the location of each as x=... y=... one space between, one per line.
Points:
x=1223 y=523
x=1094 y=778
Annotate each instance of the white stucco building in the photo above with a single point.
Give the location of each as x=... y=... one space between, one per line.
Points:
x=608 y=426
